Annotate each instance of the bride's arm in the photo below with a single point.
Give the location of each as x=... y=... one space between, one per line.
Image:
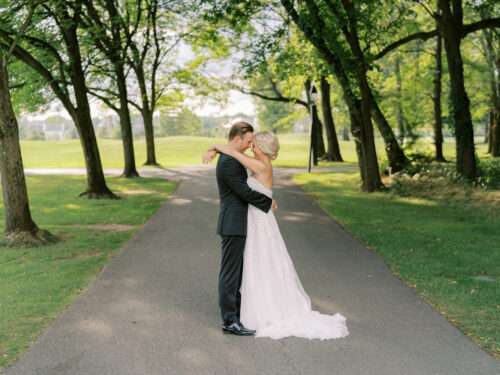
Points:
x=256 y=166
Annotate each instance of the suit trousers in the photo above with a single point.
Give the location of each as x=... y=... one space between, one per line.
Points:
x=230 y=276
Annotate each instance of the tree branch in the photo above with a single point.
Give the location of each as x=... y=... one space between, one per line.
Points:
x=424 y=35
x=281 y=98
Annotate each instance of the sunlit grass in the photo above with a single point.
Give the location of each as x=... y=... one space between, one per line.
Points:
x=37 y=283
x=185 y=150
x=446 y=248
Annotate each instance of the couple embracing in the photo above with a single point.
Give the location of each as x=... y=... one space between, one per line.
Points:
x=260 y=292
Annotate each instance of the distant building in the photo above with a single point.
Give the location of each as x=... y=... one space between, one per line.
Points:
x=54 y=123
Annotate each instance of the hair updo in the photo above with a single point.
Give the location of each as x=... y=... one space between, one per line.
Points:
x=268 y=143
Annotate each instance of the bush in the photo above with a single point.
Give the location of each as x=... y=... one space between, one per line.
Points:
x=422 y=166
x=33 y=134
x=489 y=173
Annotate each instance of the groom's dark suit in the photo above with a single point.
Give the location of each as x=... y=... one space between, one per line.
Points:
x=235 y=195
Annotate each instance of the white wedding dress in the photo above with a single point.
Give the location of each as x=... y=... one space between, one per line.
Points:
x=273 y=301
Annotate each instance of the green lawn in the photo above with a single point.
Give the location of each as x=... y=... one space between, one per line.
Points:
x=37 y=283
x=183 y=150
x=447 y=249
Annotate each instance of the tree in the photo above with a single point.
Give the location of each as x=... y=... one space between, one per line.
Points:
x=107 y=33
x=310 y=20
x=20 y=229
x=185 y=122
x=449 y=16
x=491 y=50
x=333 y=142
x=275 y=116
x=436 y=98
x=56 y=31
x=450 y=20
x=162 y=28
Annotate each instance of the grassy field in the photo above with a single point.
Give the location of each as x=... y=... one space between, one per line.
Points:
x=177 y=151
x=445 y=248
x=37 y=283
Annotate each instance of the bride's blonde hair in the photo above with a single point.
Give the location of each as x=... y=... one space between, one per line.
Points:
x=268 y=143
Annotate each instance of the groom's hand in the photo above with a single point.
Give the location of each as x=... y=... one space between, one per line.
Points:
x=274 y=205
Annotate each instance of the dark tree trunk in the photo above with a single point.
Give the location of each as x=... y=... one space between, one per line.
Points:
x=319 y=143
x=451 y=23
x=495 y=134
x=436 y=98
x=492 y=131
x=321 y=139
x=20 y=229
x=130 y=169
x=361 y=130
x=399 y=107
x=355 y=131
x=395 y=154
x=96 y=184
x=345 y=134
x=333 y=153
x=112 y=46
x=487 y=130
x=368 y=139
x=147 y=116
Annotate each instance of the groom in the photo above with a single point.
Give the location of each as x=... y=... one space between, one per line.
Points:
x=235 y=195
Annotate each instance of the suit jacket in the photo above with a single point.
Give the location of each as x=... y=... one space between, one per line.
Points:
x=235 y=195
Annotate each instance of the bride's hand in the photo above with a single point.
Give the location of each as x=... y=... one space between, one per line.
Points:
x=274 y=205
x=209 y=156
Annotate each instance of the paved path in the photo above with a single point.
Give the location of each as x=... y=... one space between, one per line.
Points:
x=153 y=309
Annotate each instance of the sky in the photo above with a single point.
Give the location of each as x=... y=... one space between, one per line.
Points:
x=237 y=103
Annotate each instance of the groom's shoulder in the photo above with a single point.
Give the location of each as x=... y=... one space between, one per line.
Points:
x=228 y=160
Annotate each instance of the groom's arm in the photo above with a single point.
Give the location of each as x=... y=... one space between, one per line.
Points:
x=231 y=174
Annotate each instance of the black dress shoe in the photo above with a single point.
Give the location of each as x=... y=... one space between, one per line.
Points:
x=237 y=328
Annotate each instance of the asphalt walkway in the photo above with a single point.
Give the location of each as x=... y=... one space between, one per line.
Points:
x=153 y=309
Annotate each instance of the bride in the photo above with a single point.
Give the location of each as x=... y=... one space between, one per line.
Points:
x=273 y=300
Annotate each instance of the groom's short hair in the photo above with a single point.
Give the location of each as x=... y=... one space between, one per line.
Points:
x=240 y=128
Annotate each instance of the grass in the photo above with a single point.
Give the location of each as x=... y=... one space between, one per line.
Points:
x=446 y=248
x=37 y=283
x=186 y=150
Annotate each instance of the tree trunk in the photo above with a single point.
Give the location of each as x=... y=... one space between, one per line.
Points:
x=355 y=131
x=492 y=131
x=487 y=126
x=372 y=174
x=321 y=139
x=451 y=24
x=96 y=184
x=20 y=229
x=495 y=134
x=395 y=154
x=399 y=106
x=345 y=134
x=147 y=116
x=319 y=143
x=130 y=169
x=333 y=153
x=361 y=130
x=436 y=98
